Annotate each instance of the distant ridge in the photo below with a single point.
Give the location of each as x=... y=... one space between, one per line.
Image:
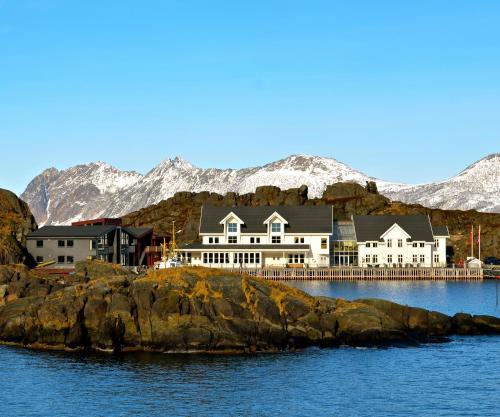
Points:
x=99 y=189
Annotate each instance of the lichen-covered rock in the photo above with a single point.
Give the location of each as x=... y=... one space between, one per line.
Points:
x=205 y=310
x=16 y=221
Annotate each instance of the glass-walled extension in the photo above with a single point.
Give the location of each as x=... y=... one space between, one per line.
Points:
x=344 y=249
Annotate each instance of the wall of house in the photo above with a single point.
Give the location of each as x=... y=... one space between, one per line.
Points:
x=51 y=251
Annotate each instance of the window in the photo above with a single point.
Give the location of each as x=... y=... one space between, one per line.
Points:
x=298 y=240
x=276 y=239
x=70 y=259
x=368 y=244
x=276 y=227
x=232 y=227
x=210 y=240
x=92 y=245
x=375 y=244
x=389 y=243
x=232 y=239
x=257 y=258
x=61 y=243
x=414 y=259
x=415 y=244
x=400 y=259
x=252 y=240
x=324 y=243
x=69 y=243
x=436 y=243
x=257 y=240
x=296 y=258
x=375 y=259
x=210 y=258
x=436 y=258
x=205 y=258
x=400 y=243
x=39 y=259
x=389 y=259
x=422 y=244
x=39 y=243
x=60 y=259
x=368 y=259
x=422 y=259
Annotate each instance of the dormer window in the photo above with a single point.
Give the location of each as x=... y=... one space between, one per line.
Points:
x=275 y=227
x=232 y=227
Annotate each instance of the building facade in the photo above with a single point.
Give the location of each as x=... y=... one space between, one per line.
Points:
x=389 y=241
x=266 y=236
x=63 y=246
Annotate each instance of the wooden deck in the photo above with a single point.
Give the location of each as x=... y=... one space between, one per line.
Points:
x=365 y=274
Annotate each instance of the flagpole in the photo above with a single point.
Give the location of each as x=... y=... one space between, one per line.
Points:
x=479 y=242
x=472 y=241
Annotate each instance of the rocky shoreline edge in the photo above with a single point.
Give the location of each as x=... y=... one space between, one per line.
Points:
x=196 y=310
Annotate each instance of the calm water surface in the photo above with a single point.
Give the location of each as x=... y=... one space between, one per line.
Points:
x=461 y=378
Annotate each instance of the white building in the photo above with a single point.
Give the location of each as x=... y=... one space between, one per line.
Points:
x=399 y=241
x=266 y=236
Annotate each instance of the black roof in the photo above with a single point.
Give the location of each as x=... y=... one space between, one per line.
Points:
x=137 y=232
x=370 y=228
x=71 y=231
x=195 y=246
x=301 y=219
x=440 y=231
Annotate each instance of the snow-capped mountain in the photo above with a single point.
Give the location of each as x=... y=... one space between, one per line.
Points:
x=476 y=187
x=98 y=189
x=60 y=197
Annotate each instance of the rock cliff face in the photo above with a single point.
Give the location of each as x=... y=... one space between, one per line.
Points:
x=346 y=199
x=199 y=310
x=16 y=221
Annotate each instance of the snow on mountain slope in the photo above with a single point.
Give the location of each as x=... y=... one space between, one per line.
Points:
x=476 y=187
x=94 y=190
x=59 y=197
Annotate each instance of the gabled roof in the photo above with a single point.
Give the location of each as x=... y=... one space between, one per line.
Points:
x=71 y=231
x=371 y=228
x=301 y=219
x=440 y=231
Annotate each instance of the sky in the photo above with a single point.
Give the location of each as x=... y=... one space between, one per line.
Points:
x=401 y=90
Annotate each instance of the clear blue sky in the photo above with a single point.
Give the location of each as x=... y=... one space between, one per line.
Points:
x=402 y=90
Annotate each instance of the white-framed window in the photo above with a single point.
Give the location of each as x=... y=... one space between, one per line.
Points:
x=275 y=227
x=298 y=240
x=375 y=259
x=422 y=259
x=400 y=243
x=232 y=239
x=296 y=258
x=422 y=244
x=415 y=258
x=436 y=243
x=389 y=243
x=400 y=259
x=436 y=258
x=389 y=259
x=375 y=244
x=415 y=244
x=324 y=243
x=368 y=244
x=368 y=259
x=255 y=240
x=213 y=240
x=232 y=227
x=275 y=239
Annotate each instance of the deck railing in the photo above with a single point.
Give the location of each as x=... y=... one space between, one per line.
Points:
x=364 y=274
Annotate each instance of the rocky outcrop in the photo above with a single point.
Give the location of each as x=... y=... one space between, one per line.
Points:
x=200 y=310
x=345 y=198
x=16 y=221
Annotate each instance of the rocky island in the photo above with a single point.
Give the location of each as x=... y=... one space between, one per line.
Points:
x=104 y=307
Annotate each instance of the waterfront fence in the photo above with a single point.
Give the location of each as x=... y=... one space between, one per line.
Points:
x=364 y=274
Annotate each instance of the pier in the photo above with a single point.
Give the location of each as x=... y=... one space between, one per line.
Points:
x=364 y=274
